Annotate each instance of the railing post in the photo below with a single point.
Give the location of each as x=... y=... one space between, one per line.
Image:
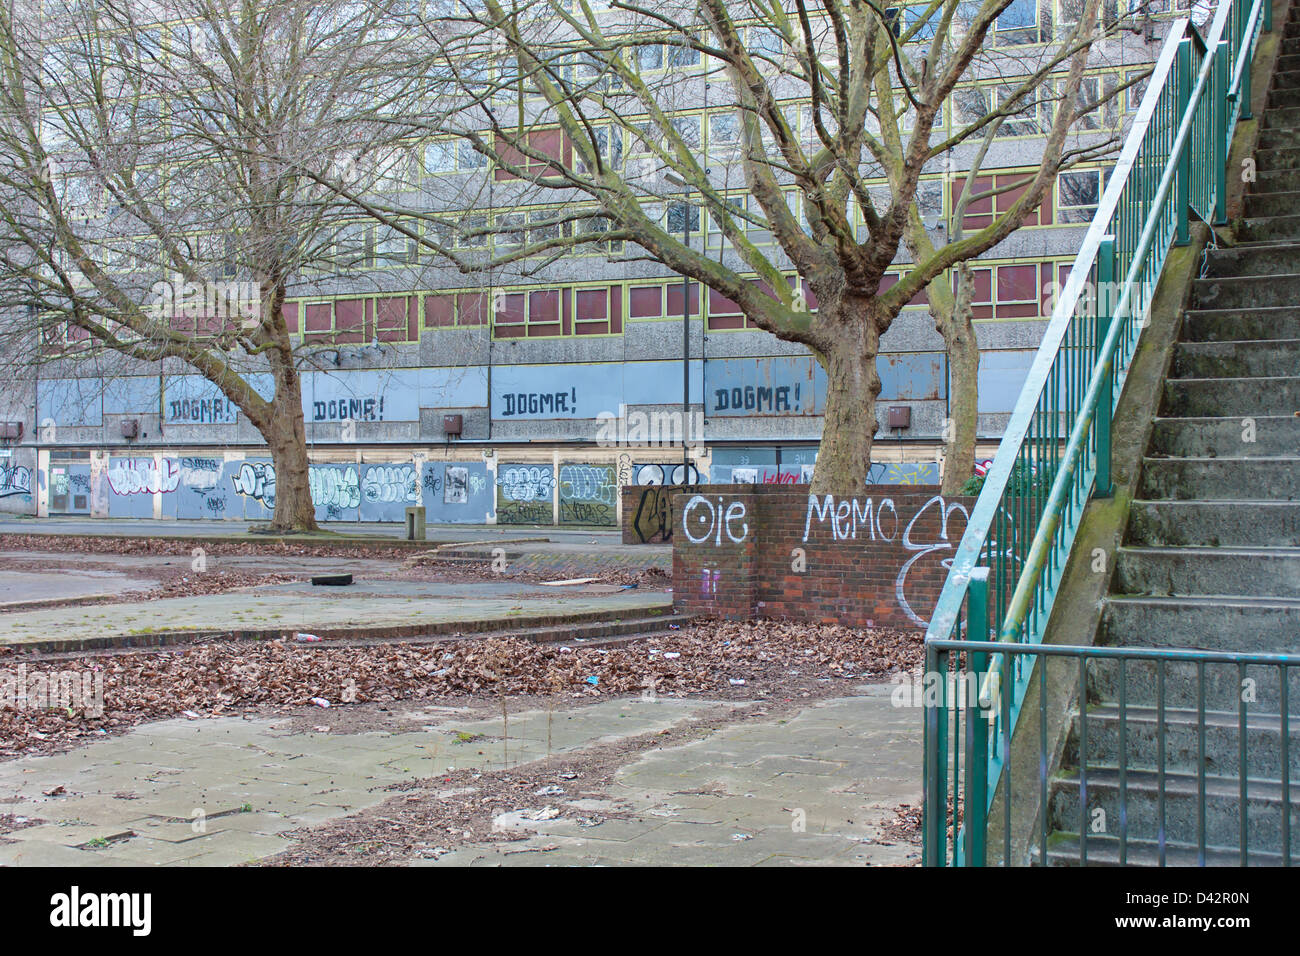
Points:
x=934 y=803
x=1219 y=100
x=977 y=726
x=1106 y=302
x=1183 y=187
x=1243 y=92
x=1268 y=15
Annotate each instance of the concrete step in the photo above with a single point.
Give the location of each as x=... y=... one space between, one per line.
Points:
x=1282 y=117
x=1258 y=259
x=1277 y=180
x=1253 y=572
x=1278 y=357
x=1276 y=160
x=1104 y=850
x=1248 y=291
x=1271 y=228
x=1138 y=813
x=1214 y=524
x=1275 y=436
x=1180 y=730
x=1235 y=325
x=1225 y=397
x=1232 y=624
x=1220 y=479
x=1285 y=63
x=1284 y=98
x=1281 y=138
x=1260 y=204
x=1181 y=685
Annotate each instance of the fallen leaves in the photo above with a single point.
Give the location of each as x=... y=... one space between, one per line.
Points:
x=228 y=678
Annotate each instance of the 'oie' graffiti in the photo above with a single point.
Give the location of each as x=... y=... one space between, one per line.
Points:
x=703 y=521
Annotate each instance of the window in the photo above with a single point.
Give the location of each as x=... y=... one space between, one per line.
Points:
x=1024 y=118
x=609 y=146
x=596 y=225
x=1078 y=191
x=681 y=217
x=763 y=42
x=910 y=25
x=1012 y=291
x=681 y=53
x=1019 y=23
x=726 y=314
x=355 y=320
x=1008 y=188
x=724 y=132
x=447 y=309
x=688 y=128
x=970 y=105
x=549 y=313
x=534 y=154
x=1139 y=80
x=471 y=232
x=650 y=57
x=1092 y=89
x=393 y=248
x=440 y=156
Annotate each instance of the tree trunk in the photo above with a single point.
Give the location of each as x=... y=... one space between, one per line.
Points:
x=963 y=396
x=286 y=437
x=853 y=384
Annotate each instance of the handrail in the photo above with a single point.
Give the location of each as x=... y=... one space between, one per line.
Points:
x=1024 y=520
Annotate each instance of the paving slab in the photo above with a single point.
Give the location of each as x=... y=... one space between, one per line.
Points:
x=750 y=794
x=238 y=785
x=287 y=611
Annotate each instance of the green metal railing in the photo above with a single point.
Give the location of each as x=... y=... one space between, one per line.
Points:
x=1182 y=698
x=1055 y=452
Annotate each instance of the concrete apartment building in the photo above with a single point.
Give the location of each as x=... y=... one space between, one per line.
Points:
x=505 y=397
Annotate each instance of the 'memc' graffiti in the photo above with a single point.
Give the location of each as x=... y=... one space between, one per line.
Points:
x=848 y=518
x=15 y=480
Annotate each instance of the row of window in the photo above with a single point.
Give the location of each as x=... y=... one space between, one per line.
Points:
x=1002 y=291
x=1075 y=200
x=1006 y=291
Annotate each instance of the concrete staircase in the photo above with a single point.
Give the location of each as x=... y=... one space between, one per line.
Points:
x=1211 y=561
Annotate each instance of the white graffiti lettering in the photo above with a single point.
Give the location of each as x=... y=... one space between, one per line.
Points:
x=334 y=487
x=143 y=476
x=523 y=483
x=256 y=480
x=714 y=521
x=391 y=483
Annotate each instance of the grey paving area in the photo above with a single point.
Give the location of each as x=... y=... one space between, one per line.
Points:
x=143 y=527
x=818 y=789
x=814 y=788
x=401 y=604
x=20 y=586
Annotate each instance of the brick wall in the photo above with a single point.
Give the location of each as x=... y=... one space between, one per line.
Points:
x=875 y=560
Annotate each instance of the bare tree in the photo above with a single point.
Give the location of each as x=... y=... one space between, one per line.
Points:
x=819 y=105
x=170 y=171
